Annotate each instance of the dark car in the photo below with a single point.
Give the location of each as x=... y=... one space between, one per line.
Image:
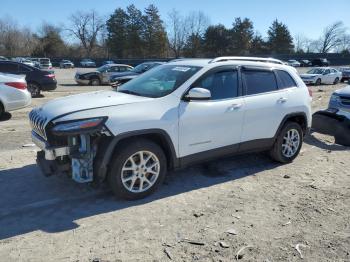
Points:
x=305 y=63
x=108 y=62
x=37 y=80
x=320 y=62
x=345 y=73
x=120 y=78
x=101 y=75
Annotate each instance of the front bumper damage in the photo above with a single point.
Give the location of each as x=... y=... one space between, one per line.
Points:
x=330 y=122
x=75 y=158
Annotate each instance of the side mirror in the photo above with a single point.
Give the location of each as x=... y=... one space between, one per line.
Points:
x=198 y=93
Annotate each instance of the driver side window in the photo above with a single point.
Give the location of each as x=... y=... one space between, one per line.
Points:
x=327 y=71
x=222 y=84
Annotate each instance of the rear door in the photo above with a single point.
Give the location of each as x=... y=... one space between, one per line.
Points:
x=265 y=104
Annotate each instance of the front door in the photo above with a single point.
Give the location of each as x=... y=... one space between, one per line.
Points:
x=214 y=123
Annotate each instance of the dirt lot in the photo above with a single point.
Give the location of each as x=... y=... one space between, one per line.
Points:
x=269 y=209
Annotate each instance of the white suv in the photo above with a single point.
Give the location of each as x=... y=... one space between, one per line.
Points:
x=177 y=114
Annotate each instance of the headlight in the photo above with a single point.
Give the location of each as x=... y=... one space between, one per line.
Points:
x=79 y=127
x=335 y=98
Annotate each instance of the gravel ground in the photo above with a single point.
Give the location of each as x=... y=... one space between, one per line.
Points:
x=244 y=208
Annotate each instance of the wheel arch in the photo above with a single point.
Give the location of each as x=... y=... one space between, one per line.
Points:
x=299 y=117
x=158 y=136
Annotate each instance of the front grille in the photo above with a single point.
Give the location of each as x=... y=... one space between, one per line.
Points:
x=345 y=100
x=37 y=122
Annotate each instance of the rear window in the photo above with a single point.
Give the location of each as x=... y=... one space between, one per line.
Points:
x=259 y=81
x=286 y=80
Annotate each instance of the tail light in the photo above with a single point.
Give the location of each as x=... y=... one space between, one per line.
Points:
x=50 y=75
x=18 y=85
x=310 y=91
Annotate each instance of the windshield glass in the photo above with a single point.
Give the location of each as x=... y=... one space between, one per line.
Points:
x=141 y=68
x=159 y=81
x=316 y=71
x=45 y=60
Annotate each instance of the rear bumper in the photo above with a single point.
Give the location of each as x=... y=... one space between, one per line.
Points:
x=48 y=86
x=329 y=123
x=21 y=99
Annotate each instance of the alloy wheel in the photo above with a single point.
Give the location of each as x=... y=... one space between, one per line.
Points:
x=140 y=171
x=291 y=143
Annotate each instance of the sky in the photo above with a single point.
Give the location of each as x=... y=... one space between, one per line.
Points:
x=305 y=17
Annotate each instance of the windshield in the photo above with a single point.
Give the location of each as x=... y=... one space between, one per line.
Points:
x=45 y=61
x=141 y=68
x=316 y=71
x=159 y=81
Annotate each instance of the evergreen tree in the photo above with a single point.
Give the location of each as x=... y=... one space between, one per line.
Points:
x=117 y=32
x=135 y=31
x=154 y=33
x=258 y=45
x=216 y=41
x=242 y=36
x=279 y=38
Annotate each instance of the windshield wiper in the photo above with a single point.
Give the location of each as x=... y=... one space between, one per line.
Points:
x=129 y=92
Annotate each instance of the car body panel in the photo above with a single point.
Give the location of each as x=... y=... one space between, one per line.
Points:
x=13 y=98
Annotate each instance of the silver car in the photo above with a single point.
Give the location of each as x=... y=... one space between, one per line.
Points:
x=340 y=100
x=13 y=93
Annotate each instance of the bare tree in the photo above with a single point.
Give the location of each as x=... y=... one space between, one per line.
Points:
x=331 y=37
x=344 y=44
x=196 y=23
x=301 y=43
x=177 y=32
x=15 y=41
x=86 y=27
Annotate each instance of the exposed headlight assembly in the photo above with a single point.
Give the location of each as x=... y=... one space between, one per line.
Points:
x=79 y=127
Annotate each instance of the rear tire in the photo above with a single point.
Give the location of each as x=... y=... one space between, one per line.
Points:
x=2 y=110
x=318 y=82
x=34 y=89
x=131 y=175
x=336 y=81
x=288 y=143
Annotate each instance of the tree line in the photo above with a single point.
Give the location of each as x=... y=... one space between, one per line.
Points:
x=135 y=33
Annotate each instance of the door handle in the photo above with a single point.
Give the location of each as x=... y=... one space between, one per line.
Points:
x=282 y=100
x=235 y=107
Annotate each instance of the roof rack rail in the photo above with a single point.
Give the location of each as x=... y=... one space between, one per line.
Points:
x=243 y=58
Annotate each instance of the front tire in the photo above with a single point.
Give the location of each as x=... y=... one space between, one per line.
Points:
x=95 y=82
x=138 y=168
x=288 y=143
x=336 y=81
x=318 y=82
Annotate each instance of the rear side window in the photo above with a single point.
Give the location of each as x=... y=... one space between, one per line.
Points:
x=222 y=84
x=258 y=81
x=8 y=68
x=286 y=80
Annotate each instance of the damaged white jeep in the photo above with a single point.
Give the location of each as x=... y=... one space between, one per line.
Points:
x=177 y=114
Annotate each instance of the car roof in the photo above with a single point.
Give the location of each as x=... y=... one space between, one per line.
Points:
x=236 y=61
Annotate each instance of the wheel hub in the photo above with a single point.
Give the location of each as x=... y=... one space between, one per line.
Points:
x=291 y=142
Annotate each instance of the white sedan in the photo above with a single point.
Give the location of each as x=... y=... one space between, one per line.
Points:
x=322 y=75
x=13 y=93
x=293 y=63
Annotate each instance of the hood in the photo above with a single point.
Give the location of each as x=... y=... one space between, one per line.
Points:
x=344 y=91
x=81 y=102
x=309 y=75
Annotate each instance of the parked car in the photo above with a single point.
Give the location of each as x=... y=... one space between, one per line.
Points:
x=108 y=62
x=2 y=58
x=322 y=75
x=23 y=61
x=66 y=64
x=101 y=75
x=87 y=63
x=293 y=63
x=305 y=63
x=35 y=61
x=345 y=73
x=13 y=93
x=37 y=80
x=340 y=99
x=121 y=78
x=174 y=115
x=320 y=62
x=45 y=63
